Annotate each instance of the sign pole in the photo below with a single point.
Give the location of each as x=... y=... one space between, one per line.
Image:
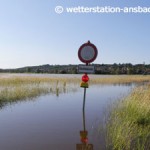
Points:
x=87 y=53
x=83 y=109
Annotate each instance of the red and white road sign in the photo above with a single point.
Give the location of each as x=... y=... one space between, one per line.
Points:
x=87 y=53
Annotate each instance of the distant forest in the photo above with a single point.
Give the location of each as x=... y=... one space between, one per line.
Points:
x=127 y=68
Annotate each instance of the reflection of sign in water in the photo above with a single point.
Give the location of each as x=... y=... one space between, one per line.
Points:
x=84 y=136
x=87 y=53
x=84 y=147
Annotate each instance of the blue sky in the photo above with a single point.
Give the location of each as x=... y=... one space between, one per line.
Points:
x=32 y=33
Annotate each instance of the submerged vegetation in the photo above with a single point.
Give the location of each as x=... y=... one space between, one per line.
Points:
x=14 y=87
x=21 y=88
x=129 y=123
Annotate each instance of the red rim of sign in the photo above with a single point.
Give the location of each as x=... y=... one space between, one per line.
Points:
x=95 y=52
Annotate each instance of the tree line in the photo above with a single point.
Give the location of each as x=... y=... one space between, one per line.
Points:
x=127 y=68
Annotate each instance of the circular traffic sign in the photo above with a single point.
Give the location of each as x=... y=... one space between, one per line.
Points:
x=87 y=53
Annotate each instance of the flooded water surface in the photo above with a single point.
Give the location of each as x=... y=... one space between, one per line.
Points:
x=54 y=122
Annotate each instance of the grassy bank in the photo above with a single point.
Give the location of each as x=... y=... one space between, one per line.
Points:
x=129 y=123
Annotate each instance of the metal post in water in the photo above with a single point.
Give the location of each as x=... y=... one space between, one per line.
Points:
x=83 y=109
x=87 y=53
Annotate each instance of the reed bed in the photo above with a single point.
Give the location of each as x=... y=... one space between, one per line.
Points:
x=121 y=79
x=128 y=127
x=94 y=79
x=22 y=88
x=15 y=87
x=35 y=80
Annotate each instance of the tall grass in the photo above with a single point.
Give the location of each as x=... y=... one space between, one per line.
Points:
x=129 y=124
x=112 y=79
x=22 y=88
x=120 y=79
x=13 y=88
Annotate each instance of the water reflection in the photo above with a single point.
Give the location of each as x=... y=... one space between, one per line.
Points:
x=84 y=133
x=54 y=123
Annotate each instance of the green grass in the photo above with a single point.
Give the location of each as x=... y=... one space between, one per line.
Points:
x=129 y=124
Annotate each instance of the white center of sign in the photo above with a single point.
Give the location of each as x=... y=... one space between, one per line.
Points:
x=87 y=53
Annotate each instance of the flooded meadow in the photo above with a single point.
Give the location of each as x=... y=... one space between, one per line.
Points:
x=45 y=111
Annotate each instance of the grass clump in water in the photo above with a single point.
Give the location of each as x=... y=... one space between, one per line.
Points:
x=129 y=123
x=22 y=88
